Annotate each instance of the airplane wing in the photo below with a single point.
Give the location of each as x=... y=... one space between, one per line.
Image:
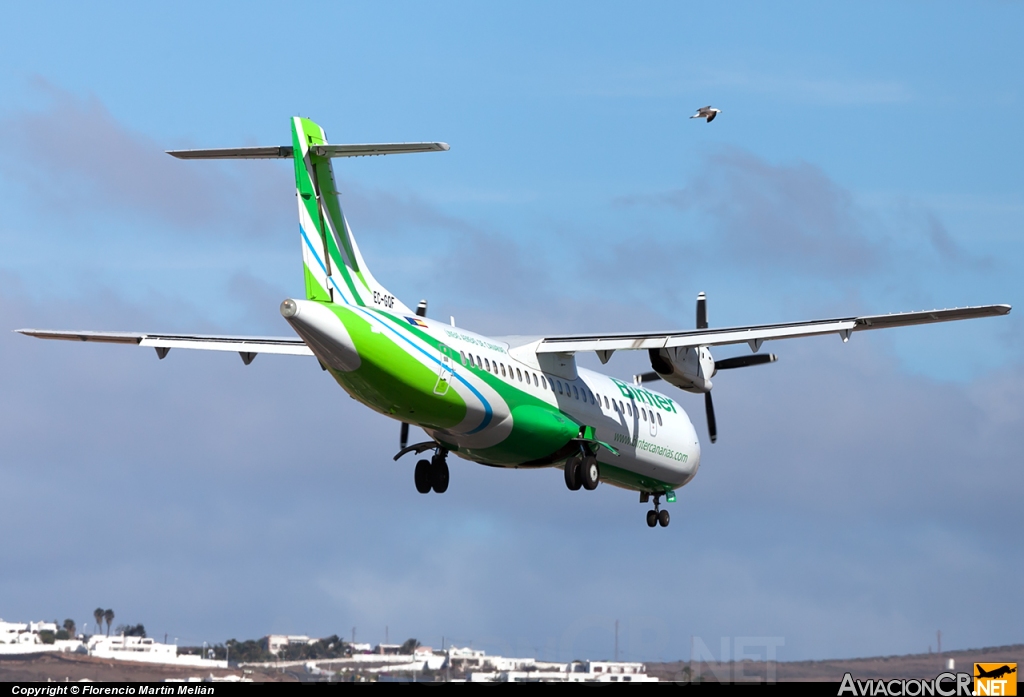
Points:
x=246 y=346
x=605 y=344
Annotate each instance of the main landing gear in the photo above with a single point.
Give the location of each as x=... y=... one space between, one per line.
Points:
x=657 y=517
x=582 y=471
x=433 y=473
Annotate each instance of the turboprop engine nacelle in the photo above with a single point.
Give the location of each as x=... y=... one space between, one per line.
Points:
x=688 y=368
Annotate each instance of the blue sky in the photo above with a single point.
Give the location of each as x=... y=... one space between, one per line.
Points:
x=867 y=159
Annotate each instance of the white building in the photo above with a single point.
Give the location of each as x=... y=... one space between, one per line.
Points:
x=23 y=637
x=37 y=627
x=11 y=632
x=577 y=671
x=145 y=650
x=276 y=642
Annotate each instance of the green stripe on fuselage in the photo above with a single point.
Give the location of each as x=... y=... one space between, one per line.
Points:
x=539 y=429
x=392 y=381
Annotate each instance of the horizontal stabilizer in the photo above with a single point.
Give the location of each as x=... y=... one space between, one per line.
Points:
x=265 y=152
x=291 y=346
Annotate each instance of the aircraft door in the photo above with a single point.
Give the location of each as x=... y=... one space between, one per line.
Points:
x=446 y=370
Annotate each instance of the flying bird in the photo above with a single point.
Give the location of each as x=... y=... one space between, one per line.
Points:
x=706 y=112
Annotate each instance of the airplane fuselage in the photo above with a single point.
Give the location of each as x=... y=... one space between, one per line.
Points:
x=497 y=402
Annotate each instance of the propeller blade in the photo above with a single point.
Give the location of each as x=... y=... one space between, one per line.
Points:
x=646 y=377
x=404 y=440
x=421 y=309
x=709 y=409
x=744 y=361
x=702 y=311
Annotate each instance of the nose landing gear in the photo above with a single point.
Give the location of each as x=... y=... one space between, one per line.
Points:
x=657 y=517
x=433 y=473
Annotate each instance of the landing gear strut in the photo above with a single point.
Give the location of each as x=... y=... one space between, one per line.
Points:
x=657 y=517
x=433 y=473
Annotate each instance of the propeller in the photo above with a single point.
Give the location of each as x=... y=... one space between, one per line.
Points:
x=421 y=311
x=745 y=361
x=709 y=411
x=662 y=367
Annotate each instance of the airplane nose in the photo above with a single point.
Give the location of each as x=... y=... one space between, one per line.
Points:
x=324 y=332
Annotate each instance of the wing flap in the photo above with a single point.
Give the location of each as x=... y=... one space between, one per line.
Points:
x=758 y=333
x=290 y=346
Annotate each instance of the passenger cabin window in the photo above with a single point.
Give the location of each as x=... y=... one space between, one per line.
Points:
x=659 y=419
x=543 y=382
x=606 y=402
x=464 y=361
x=575 y=393
x=535 y=383
x=487 y=364
x=559 y=382
x=502 y=370
x=519 y=376
x=643 y=413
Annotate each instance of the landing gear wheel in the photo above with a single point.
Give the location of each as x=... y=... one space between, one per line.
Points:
x=572 y=473
x=652 y=518
x=422 y=476
x=662 y=519
x=590 y=473
x=439 y=474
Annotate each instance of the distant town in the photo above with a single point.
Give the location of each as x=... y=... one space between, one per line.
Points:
x=41 y=651
x=306 y=658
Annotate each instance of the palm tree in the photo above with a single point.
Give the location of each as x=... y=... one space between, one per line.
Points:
x=69 y=626
x=109 y=617
x=98 y=616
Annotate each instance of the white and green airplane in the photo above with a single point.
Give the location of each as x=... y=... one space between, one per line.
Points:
x=498 y=401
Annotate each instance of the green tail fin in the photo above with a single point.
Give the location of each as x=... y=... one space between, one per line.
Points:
x=333 y=267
